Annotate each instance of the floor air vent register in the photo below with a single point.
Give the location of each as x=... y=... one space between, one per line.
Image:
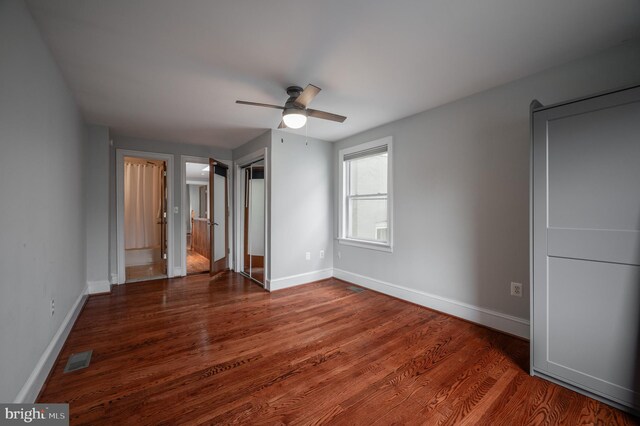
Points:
x=355 y=289
x=78 y=361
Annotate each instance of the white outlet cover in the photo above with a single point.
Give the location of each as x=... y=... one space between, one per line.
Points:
x=516 y=289
x=321 y=254
x=308 y=255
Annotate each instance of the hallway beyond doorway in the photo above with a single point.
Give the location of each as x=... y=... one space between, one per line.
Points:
x=196 y=263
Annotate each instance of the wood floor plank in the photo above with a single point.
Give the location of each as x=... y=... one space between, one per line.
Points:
x=198 y=350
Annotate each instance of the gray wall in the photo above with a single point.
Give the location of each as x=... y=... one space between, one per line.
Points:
x=300 y=201
x=176 y=149
x=461 y=182
x=258 y=143
x=301 y=204
x=96 y=163
x=42 y=244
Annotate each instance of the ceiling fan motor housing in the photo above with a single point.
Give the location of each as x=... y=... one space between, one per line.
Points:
x=294 y=91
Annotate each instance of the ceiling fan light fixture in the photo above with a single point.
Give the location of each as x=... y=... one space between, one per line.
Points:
x=294 y=118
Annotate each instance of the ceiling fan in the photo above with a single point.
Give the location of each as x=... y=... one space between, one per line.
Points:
x=295 y=111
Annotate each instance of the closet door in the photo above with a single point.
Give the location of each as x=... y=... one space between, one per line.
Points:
x=254 y=221
x=586 y=245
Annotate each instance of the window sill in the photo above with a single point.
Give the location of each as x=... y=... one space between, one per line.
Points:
x=366 y=244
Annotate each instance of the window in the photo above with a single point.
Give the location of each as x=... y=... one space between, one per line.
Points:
x=365 y=200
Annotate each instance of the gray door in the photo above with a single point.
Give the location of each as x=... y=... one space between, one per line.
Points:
x=586 y=244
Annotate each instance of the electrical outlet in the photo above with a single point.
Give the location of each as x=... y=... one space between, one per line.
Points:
x=308 y=255
x=321 y=254
x=516 y=289
x=53 y=307
x=339 y=255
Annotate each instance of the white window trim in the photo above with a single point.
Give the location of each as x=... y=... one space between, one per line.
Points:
x=342 y=239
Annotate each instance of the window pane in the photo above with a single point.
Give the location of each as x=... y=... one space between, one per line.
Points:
x=368 y=219
x=368 y=175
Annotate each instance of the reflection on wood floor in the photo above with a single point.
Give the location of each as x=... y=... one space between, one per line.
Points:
x=196 y=263
x=198 y=350
x=257 y=274
x=146 y=272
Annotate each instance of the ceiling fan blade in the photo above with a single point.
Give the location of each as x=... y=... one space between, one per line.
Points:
x=307 y=95
x=259 y=104
x=325 y=115
x=282 y=125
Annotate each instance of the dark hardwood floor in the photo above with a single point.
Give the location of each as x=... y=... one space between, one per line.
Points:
x=192 y=351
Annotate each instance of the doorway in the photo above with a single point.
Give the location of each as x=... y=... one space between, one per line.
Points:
x=145 y=218
x=198 y=245
x=144 y=227
x=205 y=181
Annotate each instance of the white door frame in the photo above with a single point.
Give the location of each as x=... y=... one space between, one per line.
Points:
x=262 y=154
x=184 y=159
x=120 y=154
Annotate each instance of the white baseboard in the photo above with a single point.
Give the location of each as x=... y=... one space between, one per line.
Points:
x=294 y=280
x=496 y=320
x=94 y=287
x=36 y=380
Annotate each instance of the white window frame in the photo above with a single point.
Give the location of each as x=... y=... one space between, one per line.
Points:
x=342 y=205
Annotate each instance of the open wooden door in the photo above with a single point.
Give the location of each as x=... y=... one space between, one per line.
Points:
x=218 y=216
x=163 y=217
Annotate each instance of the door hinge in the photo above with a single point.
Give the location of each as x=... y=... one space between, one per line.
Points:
x=164 y=214
x=164 y=173
x=164 y=256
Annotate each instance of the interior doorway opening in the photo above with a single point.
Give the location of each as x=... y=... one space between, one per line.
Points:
x=198 y=234
x=145 y=218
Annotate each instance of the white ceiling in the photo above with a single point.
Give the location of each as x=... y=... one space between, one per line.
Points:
x=172 y=69
x=195 y=173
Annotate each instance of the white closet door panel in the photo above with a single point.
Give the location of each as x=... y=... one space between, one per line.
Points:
x=594 y=174
x=593 y=324
x=586 y=244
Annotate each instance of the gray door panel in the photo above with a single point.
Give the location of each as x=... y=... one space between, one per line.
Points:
x=593 y=324
x=594 y=174
x=614 y=246
x=586 y=244
x=539 y=264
